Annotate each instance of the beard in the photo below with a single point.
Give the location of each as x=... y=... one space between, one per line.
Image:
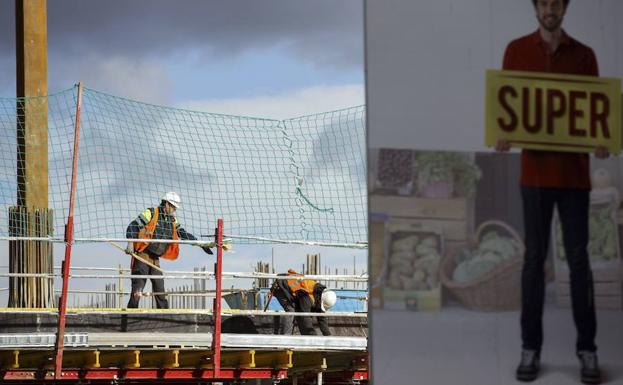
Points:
x=550 y=22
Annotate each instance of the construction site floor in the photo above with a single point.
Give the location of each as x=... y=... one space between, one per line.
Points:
x=165 y=321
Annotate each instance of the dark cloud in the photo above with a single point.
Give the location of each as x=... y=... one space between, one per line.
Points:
x=321 y=31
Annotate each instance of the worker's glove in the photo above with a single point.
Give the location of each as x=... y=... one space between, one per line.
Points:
x=129 y=249
x=207 y=249
x=208 y=246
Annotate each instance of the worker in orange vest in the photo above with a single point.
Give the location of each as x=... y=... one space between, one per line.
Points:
x=155 y=223
x=304 y=296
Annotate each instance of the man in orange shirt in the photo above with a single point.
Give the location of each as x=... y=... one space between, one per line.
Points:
x=554 y=179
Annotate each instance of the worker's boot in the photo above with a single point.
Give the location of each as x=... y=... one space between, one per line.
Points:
x=589 y=371
x=529 y=367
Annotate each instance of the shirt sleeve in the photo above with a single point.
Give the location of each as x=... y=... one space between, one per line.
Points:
x=592 y=69
x=136 y=225
x=183 y=234
x=507 y=63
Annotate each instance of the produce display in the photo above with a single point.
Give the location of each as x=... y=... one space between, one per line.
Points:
x=414 y=261
x=493 y=250
x=395 y=170
x=454 y=168
x=602 y=242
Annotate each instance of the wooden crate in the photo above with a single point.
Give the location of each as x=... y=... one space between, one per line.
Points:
x=607 y=287
x=454 y=216
x=415 y=300
x=428 y=299
x=378 y=258
x=607 y=274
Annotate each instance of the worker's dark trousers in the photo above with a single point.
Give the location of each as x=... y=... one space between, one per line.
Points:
x=157 y=284
x=538 y=208
x=285 y=324
x=304 y=305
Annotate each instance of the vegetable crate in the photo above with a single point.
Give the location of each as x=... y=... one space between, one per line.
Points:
x=603 y=249
x=378 y=255
x=412 y=270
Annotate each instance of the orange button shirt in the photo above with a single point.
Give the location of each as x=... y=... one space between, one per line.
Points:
x=530 y=53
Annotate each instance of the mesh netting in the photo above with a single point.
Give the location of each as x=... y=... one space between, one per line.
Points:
x=298 y=179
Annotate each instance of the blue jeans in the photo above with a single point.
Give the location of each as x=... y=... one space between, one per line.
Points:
x=538 y=208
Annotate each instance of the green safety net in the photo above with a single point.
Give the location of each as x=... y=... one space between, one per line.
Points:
x=301 y=179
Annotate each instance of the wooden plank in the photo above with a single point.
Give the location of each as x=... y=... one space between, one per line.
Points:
x=452 y=230
x=160 y=358
x=600 y=288
x=454 y=208
x=277 y=359
x=599 y=275
x=377 y=252
x=601 y=302
x=238 y=359
x=121 y=359
x=9 y=359
x=195 y=358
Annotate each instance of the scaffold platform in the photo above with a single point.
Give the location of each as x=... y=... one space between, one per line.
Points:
x=171 y=357
x=176 y=346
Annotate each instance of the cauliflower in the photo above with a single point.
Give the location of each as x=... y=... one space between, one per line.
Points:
x=405 y=244
x=492 y=251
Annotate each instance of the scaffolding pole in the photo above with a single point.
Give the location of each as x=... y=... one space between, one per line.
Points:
x=218 y=271
x=69 y=234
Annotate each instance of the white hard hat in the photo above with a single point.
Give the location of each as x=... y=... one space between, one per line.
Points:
x=172 y=198
x=327 y=300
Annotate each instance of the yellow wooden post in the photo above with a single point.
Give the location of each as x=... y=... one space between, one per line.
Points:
x=31 y=217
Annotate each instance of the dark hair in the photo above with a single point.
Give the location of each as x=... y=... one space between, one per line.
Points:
x=565 y=3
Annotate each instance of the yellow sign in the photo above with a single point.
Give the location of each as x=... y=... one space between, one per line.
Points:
x=553 y=112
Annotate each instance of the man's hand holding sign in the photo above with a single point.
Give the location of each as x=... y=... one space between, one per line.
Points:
x=546 y=111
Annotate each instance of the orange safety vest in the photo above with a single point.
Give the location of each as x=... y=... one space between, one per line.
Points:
x=306 y=285
x=147 y=232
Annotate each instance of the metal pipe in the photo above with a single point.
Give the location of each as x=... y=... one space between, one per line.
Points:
x=225 y=313
x=190 y=276
x=218 y=272
x=69 y=233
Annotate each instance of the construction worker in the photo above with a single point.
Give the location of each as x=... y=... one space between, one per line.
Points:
x=155 y=223
x=305 y=296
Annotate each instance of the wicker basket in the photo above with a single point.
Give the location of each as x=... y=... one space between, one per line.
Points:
x=496 y=290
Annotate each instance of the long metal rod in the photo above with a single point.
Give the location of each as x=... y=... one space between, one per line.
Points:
x=218 y=272
x=174 y=276
x=224 y=313
x=101 y=240
x=362 y=277
x=358 y=245
x=69 y=234
x=339 y=278
x=361 y=245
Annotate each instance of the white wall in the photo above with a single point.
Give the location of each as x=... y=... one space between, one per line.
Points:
x=426 y=62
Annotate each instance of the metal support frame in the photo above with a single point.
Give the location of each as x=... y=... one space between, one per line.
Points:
x=69 y=234
x=218 y=273
x=159 y=374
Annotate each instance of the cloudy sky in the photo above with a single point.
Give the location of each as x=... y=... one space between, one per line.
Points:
x=272 y=59
x=277 y=57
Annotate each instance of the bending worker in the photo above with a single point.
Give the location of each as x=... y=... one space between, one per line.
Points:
x=155 y=223
x=305 y=296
